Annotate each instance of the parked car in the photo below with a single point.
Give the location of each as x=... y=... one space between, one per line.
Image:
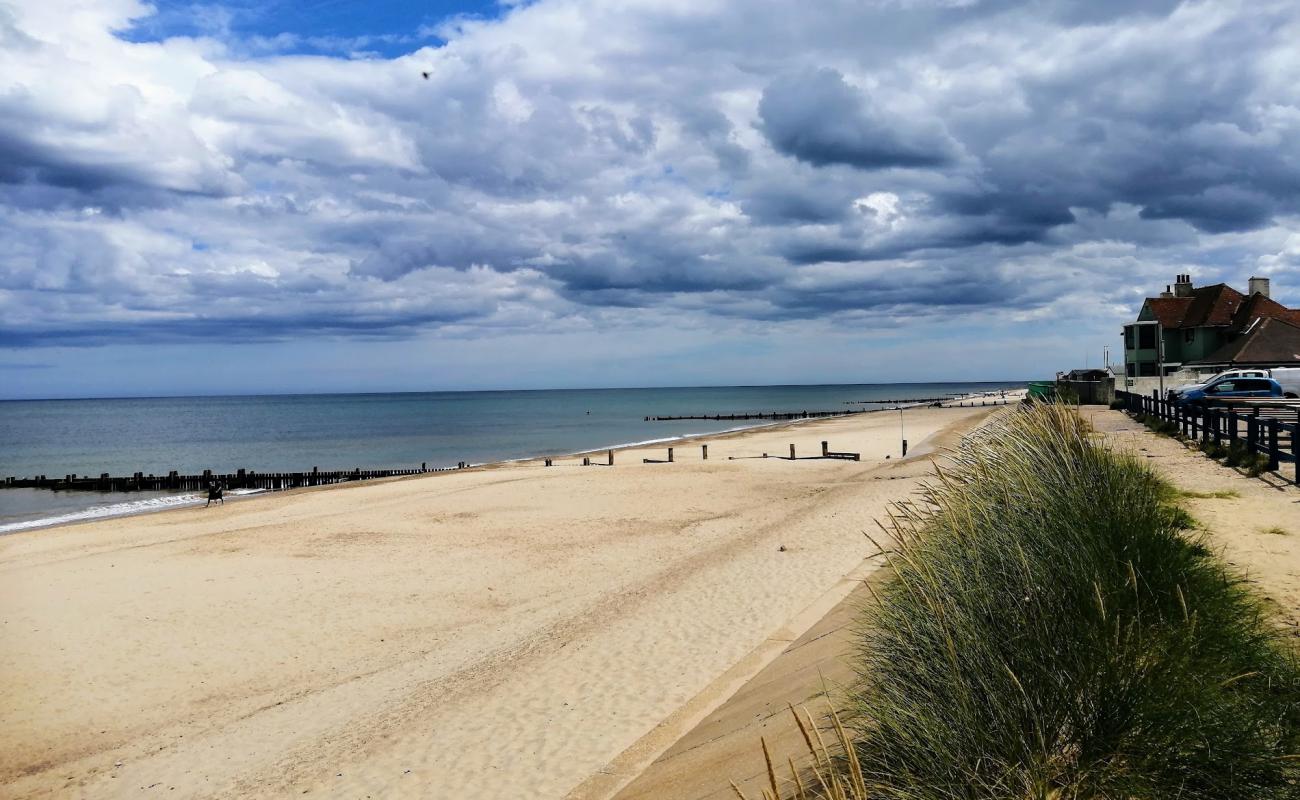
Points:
x=1230 y=388
x=1173 y=393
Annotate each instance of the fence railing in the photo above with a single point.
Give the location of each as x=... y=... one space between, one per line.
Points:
x=1266 y=427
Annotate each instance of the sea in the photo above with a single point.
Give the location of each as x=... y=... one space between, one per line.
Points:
x=290 y=433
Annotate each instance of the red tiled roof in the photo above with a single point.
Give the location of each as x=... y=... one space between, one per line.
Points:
x=1169 y=311
x=1213 y=305
x=1257 y=306
x=1208 y=305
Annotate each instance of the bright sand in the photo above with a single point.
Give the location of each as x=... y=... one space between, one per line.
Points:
x=501 y=632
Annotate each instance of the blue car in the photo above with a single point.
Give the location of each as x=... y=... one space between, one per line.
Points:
x=1230 y=388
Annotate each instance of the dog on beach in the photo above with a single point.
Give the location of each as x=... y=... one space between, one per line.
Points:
x=215 y=492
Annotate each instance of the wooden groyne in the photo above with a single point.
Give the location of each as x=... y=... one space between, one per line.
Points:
x=910 y=400
x=241 y=479
x=772 y=415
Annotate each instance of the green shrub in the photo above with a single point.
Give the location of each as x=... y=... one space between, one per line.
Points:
x=1237 y=454
x=1049 y=633
x=1214 y=449
x=1256 y=464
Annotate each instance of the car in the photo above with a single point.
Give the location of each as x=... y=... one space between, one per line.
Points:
x=1173 y=393
x=1232 y=387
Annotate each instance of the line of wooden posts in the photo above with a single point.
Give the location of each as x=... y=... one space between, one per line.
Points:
x=704 y=456
x=241 y=479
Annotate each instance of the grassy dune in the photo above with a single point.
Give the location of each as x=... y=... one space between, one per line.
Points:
x=1053 y=630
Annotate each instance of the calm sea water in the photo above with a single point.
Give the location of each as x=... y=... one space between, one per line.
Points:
x=284 y=433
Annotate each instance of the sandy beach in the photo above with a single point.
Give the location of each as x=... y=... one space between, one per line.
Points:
x=500 y=632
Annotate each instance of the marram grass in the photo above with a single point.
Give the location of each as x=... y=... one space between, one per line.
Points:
x=1051 y=631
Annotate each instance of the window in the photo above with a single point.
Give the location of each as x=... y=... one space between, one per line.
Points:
x=1129 y=369
x=1252 y=385
x=1222 y=387
x=1147 y=369
x=1129 y=341
x=1189 y=335
x=1146 y=337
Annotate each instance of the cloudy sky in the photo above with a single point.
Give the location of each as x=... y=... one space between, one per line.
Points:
x=271 y=196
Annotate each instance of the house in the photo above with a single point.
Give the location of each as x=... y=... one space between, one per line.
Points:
x=1208 y=328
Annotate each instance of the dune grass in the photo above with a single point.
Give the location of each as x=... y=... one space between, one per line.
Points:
x=1051 y=632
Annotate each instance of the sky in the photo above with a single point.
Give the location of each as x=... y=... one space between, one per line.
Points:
x=390 y=196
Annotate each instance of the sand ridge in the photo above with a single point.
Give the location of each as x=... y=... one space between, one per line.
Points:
x=492 y=633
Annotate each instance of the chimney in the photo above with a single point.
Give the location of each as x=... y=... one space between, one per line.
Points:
x=1166 y=293
x=1183 y=285
x=1258 y=286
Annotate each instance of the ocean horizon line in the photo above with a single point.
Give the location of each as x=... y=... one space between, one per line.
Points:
x=495 y=391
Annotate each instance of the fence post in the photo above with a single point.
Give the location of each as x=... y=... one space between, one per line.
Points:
x=704 y=451
x=1252 y=432
x=1273 y=452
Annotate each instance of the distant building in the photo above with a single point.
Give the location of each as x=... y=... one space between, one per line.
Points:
x=1210 y=328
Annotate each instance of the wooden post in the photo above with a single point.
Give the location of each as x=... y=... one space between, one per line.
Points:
x=792 y=451
x=704 y=448
x=905 y=448
x=609 y=455
x=670 y=455
x=586 y=461
x=1273 y=451
x=825 y=449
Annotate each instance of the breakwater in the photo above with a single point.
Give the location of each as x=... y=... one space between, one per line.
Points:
x=241 y=479
x=775 y=415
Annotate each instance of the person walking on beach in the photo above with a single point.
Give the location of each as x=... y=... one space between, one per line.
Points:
x=215 y=491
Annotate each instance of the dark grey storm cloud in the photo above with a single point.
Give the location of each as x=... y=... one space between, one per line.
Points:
x=874 y=161
x=818 y=118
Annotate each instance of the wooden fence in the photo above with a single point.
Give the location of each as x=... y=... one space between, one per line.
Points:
x=1266 y=427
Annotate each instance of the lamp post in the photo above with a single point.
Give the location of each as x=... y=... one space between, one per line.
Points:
x=901 y=434
x=1160 y=356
